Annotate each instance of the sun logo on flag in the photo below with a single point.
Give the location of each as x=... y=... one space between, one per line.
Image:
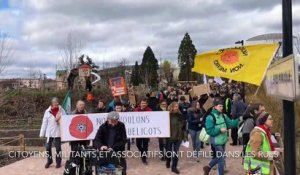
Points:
x=231 y=60
x=230 y=57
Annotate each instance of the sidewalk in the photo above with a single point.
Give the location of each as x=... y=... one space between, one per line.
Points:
x=186 y=165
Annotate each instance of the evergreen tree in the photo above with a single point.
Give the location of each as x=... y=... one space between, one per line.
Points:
x=149 y=68
x=186 y=56
x=135 y=75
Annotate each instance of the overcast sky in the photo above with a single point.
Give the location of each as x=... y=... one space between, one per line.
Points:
x=113 y=29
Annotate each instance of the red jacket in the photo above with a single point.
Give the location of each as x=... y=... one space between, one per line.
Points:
x=138 y=109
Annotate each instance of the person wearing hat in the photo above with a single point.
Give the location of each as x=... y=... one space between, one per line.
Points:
x=111 y=135
x=217 y=124
x=260 y=151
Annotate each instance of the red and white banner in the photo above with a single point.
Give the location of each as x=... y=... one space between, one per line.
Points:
x=138 y=125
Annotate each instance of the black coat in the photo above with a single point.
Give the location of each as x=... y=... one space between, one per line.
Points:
x=153 y=103
x=120 y=137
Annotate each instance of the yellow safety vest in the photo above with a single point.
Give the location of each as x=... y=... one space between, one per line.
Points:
x=250 y=161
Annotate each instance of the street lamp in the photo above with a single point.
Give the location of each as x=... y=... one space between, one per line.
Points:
x=243 y=84
x=240 y=42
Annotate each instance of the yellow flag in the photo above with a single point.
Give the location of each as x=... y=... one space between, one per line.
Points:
x=243 y=63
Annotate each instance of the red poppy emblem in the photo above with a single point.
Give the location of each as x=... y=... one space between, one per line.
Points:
x=81 y=127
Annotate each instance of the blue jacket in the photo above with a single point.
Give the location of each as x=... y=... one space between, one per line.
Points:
x=195 y=119
x=237 y=109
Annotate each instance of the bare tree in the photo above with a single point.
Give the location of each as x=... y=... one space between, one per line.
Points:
x=297 y=39
x=5 y=51
x=33 y=74
x=71 y=51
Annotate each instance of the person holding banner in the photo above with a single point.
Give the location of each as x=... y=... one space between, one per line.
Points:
x=111 y=135
x=51 y=129
x=143 y=143
x=177 y=135
x=76 y=145
x=162 y=141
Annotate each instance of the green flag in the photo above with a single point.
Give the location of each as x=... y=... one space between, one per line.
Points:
x=67 y=102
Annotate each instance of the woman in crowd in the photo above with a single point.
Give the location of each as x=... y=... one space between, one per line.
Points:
x=260 y=151
x=177 y=135
x=195 y=116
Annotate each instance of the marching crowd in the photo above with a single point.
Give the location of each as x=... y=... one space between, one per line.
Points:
x=187 y=117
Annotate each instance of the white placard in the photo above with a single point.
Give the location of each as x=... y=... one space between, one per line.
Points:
x=282 y=79
x=138 y=125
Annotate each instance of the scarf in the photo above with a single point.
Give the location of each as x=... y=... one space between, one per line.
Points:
x=54 y=111
x=267 y=130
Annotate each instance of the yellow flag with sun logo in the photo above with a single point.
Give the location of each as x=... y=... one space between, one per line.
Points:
x=242 y=63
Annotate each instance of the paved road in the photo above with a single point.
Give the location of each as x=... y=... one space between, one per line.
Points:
x=187 y=165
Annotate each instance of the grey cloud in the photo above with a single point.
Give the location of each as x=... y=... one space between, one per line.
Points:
x=114 y=29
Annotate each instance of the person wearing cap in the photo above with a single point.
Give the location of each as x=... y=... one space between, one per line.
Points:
x=217 y=124
x=51 y=129
x=260 y=151
x=111 y=135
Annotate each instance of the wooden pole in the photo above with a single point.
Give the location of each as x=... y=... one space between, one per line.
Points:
x=22 y=142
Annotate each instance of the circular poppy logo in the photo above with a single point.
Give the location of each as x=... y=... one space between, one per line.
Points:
x=81 y=127
x=230 y=57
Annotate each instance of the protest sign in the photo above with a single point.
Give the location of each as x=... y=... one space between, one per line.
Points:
x=201 y=89
x=208 y=104
x=138 y=125
x=118 y=86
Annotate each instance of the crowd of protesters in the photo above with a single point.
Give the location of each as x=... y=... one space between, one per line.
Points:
x=187 y=117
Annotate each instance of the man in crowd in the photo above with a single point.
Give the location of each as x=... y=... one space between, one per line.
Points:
x=153 y=101
x=100 y=107
x=183 y=106
x=163 y=105
x=112 y=104
x=111 y=135
x=238 y=108
x=226 y=100
x=143 y=143
x=51 y=129
x=217 y=125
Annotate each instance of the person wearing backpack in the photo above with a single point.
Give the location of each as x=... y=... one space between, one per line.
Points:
x=217 y=125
